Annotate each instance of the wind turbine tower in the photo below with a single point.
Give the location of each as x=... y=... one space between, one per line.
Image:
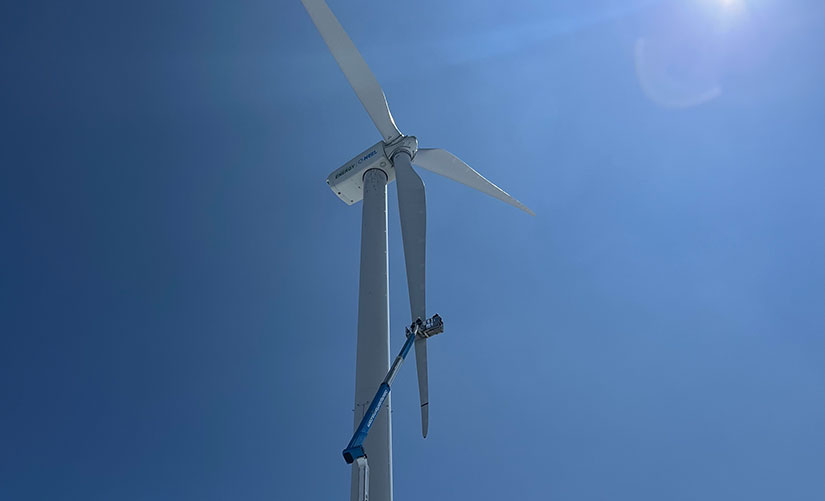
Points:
x=366 y=177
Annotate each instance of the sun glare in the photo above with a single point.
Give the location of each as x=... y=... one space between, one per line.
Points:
x=732 y=5
x=726 y=11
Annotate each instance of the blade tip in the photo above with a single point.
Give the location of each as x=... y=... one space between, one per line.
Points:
x=521 y=206
x=425 y=418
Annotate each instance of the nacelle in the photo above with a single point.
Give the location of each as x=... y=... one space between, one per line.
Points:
x=347 y=180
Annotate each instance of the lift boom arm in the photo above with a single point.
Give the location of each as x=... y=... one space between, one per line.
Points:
x=355 y=449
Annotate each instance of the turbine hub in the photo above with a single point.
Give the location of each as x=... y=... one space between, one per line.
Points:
x=405 y=144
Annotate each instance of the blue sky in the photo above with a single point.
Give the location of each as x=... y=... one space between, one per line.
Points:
x=178 y=288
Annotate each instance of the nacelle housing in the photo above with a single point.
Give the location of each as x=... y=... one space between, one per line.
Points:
x=347 y=180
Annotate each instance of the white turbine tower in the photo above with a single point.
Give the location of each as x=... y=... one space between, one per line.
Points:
x=365 y=177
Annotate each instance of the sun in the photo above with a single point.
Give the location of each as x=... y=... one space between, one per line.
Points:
x=726 y=9
x=732 y=4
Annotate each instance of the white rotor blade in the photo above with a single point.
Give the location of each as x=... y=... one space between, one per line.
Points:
x=423 y=385
x=412 y=207
x=450 y=166
x=351 y=62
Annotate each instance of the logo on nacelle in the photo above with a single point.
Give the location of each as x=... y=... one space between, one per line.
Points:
x=367 y=156
x=357 y=162
x=347 y=169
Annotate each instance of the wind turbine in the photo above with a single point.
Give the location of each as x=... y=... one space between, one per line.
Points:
x=365 y=177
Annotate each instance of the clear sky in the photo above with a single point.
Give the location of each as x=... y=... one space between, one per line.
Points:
x=178 y=284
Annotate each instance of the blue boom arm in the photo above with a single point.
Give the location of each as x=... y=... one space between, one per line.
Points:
x=355 y=449
x=431 y=327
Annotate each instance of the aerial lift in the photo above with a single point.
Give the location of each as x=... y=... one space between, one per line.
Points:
x=355 y=450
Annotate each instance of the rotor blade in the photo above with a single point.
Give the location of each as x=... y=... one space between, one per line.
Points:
x=450 y=166
x=412 y=207
x=423 y=386
x=351 y=62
